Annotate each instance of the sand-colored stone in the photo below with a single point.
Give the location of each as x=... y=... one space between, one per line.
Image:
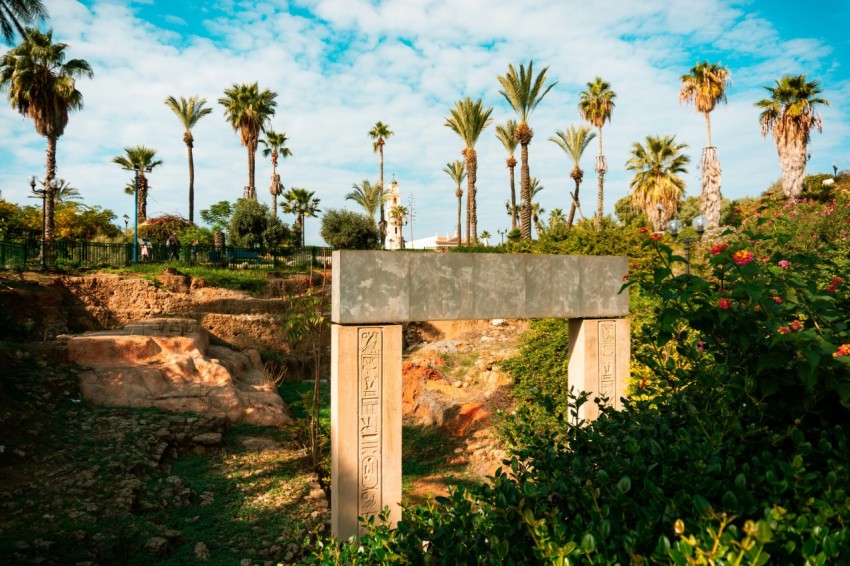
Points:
x=169 y=364
x=593 y=362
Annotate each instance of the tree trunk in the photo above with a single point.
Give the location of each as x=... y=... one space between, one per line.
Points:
x=525 y=195
x=513 y=197
x=459 y=195
x=250 y=190
x=383 y=223
x=49 y=199
x=142 y=210
x=473 y=200
x=471 y=177
x=191 y=183
x=573 y=205
x=710 y=197
x=792 y=160
x=708 y=128
x=601 y=169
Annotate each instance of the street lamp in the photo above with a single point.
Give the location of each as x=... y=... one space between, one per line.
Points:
x=54 y=184
x=674 y=227
x=136 y=168
x=502 y=233
x=126 y=224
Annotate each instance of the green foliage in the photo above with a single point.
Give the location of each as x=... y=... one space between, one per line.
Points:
x=345 y=230
x=217 y=216
x=253 y=225
x=158 y=229
x=194 y=232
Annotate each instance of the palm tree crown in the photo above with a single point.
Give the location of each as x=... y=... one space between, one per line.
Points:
x=574 y=141
x=507 y=135
x=457 y=171
x=16 y=14
x=41 y=85
x=705 y=86
x=302 y=203
x=596 y=104
x=248 y=109
x=524 y=91
x=144 y=160
x=368 y=196
x=274 y=145
x=791 y=115
x=379 y=134
x=656 y=187
x=468 y=119
x=189 y=112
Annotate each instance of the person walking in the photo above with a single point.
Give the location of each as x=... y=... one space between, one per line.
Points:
x=173 y=245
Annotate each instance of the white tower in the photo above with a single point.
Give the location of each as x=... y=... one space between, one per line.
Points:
x=394 y=230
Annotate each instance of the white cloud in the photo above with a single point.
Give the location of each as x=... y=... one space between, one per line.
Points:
x=352 y=63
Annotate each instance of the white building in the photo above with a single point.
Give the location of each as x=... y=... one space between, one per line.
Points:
x=394 y=231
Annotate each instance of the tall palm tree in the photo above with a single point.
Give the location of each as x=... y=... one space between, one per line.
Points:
x=379 y=134
x=790 y=114
x=657 y=187
x=369 y=196
x=574 y=141
x=274 y=145
x=556 y=216
x=468 y=119
x=457 y=171
x=248 y=109
x=40 y=84
x=301 y=203
x=705 y=86
x=189 y=112
x=66 y=193
x=16 y=14
x=141 y=158
x=507 y=135
x=596 y=105
x=524 y=91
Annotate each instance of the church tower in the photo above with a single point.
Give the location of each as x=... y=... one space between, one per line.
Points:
x=394 y=230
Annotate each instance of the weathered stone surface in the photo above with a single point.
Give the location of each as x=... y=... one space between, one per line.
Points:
x=377 y=287
x=168 y=364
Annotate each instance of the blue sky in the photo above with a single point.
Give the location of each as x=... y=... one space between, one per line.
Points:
x=339 y=66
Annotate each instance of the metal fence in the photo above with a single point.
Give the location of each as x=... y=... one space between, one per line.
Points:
x=68 y=255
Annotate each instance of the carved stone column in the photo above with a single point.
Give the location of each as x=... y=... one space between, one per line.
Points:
x=365 y=424
x=599 y=361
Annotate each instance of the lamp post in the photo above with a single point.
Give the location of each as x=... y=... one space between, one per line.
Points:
x=674 y=227
x=54 y=184
x=502 y=232
x=136 y=169
x=126 y=222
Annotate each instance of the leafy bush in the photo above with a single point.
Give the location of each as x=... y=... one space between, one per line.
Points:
x=253 y=225
x=346 y=230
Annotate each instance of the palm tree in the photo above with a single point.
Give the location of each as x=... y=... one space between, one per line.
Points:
x=574 y=141
x=534 y=187
x=369 y=196
x=398 y=215
x=379 y=134
x=705 y=86
x=141 y=158
x=274 y=145
x=656 y=187
x=15 y=14
x=248 y=110
x=301 y=203
x=42 y=85
x=556 y=217
x=524 y=91
x=457 y=171
x=66 y=193
x=189 y=112
x=507 y=135
x=596 y=105
x=468 y=119
x=790 y=114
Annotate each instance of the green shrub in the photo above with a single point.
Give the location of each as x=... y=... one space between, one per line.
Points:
x=346 y=230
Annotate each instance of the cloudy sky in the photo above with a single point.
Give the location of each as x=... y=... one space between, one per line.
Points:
x=339 y=66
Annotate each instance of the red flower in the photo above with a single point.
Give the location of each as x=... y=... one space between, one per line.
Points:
x=843 y=350
x=742 y=257
x=837 y=280
x=724 y=303
x=796 y=325
x=719 y=248
x=643 y=230
x=777 y=300
x=655 y=236
x=784 y=330
x=831 y=288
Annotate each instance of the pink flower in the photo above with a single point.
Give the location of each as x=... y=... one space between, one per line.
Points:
x=843 y=350
x=777 y=300
x=796 y=325
x=783 y=263
x=719 y=248
x=724 y=303
x=784 y=330
x=742 y=257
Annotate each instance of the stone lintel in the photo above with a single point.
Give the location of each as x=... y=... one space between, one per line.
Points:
x=395 y=287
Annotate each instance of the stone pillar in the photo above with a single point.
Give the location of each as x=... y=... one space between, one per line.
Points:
x=599 y=361
x=365 y=424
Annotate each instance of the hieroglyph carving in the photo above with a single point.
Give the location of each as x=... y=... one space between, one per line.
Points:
x=607 y=360
x=369 y=363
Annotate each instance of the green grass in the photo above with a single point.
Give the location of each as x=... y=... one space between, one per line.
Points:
x=458 y=365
